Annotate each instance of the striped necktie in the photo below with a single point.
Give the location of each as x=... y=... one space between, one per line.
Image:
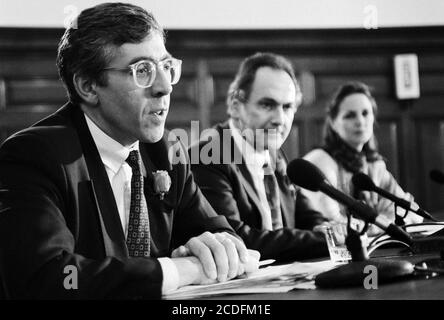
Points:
x=272 y=192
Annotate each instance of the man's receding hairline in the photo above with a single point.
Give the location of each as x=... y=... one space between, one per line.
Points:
x=293 y=80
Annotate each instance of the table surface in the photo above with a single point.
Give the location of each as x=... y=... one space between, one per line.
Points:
x=417 y=287
x=414 y=287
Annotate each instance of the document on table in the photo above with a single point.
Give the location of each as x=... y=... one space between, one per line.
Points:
x=417 y=231
x=281 y=278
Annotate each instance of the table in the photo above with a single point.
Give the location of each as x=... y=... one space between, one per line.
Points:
x=418 y=287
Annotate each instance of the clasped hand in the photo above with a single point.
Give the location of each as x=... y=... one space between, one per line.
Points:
x=222 y=256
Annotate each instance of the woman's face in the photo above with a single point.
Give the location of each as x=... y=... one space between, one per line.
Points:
x=354 y=121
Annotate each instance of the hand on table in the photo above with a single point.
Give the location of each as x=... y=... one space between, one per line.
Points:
x=221 y=255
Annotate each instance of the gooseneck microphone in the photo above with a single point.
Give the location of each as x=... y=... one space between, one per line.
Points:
x=437 y=176
x=308 y=176
x=364 y=182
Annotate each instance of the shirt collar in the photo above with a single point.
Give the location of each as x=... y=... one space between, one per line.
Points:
x=112 y=153
x=251 y=156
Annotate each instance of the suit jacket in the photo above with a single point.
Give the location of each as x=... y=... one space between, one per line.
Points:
x=229 y=188
x=57 y=209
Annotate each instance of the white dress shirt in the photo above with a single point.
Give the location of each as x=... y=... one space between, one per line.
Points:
x=255 y=162
x=114 y=156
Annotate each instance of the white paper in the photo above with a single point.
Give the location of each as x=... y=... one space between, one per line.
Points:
x=282 y=278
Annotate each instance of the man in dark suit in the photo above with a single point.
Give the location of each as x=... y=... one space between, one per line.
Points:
x=90 y=205
x=244 y=175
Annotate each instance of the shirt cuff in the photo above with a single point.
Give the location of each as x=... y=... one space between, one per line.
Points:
x=170 y=275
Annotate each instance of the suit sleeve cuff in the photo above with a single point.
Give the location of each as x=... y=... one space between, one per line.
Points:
x=170 y=275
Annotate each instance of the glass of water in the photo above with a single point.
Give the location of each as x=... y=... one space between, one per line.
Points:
x=336 y=247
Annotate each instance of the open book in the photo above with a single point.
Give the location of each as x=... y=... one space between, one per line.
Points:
x=419 y=231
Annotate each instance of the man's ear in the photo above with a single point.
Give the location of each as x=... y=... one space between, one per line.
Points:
x=86 y=89
x=234 y=107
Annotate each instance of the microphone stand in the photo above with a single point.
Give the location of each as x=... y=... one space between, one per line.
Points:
x=353 y=241
x=399 y=221
x=353 y=273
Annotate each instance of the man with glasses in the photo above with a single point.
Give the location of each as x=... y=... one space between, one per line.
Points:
x=90 y=205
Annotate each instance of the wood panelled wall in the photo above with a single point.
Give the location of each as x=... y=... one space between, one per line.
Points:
x=410 y=133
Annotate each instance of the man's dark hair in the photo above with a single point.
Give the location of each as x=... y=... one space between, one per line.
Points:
x=89 y=44
x=240 y=88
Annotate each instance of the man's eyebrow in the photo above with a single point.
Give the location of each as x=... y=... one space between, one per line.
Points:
x=275 y=102
x=269 y=100
x=136 y=59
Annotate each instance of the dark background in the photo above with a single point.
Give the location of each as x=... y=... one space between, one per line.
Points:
x=410 y=133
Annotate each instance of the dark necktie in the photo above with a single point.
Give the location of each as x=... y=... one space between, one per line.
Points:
x=138 y=239
x=272 y=192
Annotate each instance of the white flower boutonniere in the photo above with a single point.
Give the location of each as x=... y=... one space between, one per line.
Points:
x=162 y=183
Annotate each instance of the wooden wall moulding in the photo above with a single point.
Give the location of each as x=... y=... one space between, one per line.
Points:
x=412 y=139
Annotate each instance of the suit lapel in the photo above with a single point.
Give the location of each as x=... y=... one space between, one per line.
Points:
x=287 y=193
x=101 y=191
x=155 y=157
x=246 y=181
x=287 y=201
x=242 y=171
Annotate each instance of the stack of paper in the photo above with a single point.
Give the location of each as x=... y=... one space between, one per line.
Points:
x=282 y=278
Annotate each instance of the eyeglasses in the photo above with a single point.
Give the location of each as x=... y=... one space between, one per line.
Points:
x=144 y=71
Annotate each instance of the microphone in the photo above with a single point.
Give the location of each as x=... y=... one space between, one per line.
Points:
x=354 y=273
x=437 y=176
x=308 y=176
x=364 y=182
